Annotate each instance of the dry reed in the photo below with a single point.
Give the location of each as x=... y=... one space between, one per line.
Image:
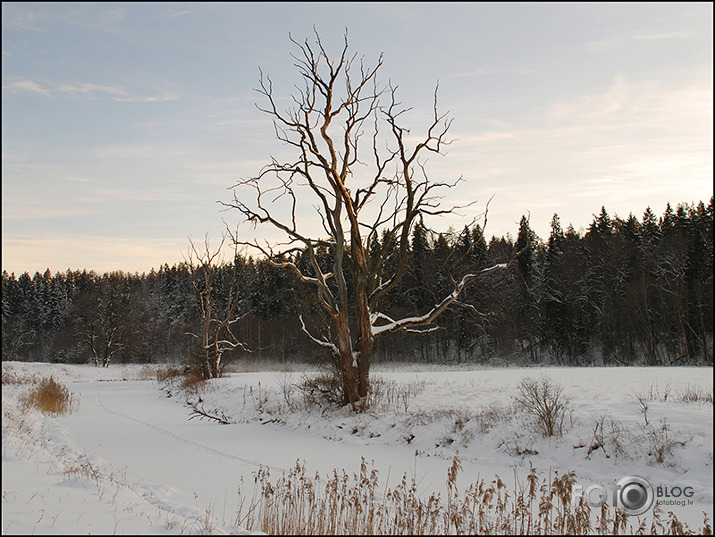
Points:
x=339 y=504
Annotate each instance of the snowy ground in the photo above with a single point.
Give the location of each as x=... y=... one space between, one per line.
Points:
x=129 y=461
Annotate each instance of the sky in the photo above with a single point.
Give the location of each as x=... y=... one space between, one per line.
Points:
x=124 y=125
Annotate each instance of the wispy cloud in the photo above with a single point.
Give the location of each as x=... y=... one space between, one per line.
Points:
x=20 y=85
x=25 y=86
x=663 y=35
x=174 y=14
x=674 y=108
x=18 y=208
x=162 y=95
x=35 y=17
x=488 y=71
x=620 y=39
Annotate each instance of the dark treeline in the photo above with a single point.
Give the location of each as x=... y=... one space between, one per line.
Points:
x=626 y=291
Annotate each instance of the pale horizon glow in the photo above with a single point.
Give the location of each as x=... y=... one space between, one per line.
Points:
x=124 y=124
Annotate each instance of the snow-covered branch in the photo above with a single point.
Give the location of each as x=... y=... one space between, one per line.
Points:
x=427 y=318
x=321 y=342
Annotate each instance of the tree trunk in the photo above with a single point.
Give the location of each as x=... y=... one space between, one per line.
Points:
x=362 y=310
x=365 y=343
x=216 y=362
x=349 y=379
x=364 y=360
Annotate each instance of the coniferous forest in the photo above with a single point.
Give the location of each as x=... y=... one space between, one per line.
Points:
x=624 y=292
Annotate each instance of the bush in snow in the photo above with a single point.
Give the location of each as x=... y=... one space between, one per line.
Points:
x=322 y=388
x=544 y=401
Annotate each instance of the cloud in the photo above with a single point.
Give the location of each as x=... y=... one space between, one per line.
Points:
x=162 y=95
x=21 y=85
x=669 y=108
x=35 y=17
x=174 y=14
x=616 y=40
x=26 y=86
x=663 y=35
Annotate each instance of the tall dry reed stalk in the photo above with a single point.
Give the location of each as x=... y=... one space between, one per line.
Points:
x=339 y=504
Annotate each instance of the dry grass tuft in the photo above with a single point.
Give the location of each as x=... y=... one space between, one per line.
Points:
x=688 y=394
x=51 y=396
x=696 y=394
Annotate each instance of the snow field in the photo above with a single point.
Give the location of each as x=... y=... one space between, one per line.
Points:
x=129 y=460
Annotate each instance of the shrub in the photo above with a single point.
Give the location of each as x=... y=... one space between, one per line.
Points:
x=545 y=401
x=661 y=444
x=168 y=374
x=322 y=388
x=489 y=417
x=10 y=375
x=611 y=437
x=51 y=396
x=188 y=378
x=193 y=379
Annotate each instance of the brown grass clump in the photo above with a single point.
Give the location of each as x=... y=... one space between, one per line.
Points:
x=52 y=397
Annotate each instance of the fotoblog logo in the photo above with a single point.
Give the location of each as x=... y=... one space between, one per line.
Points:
x=632 y=494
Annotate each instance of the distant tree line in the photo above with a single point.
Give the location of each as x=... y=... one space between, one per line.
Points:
x=625 y=291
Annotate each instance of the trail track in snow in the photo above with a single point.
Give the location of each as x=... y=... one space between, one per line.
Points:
x=157 y=428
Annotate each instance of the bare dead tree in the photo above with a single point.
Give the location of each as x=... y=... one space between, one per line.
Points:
x=339 y=121
x=216 y=334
